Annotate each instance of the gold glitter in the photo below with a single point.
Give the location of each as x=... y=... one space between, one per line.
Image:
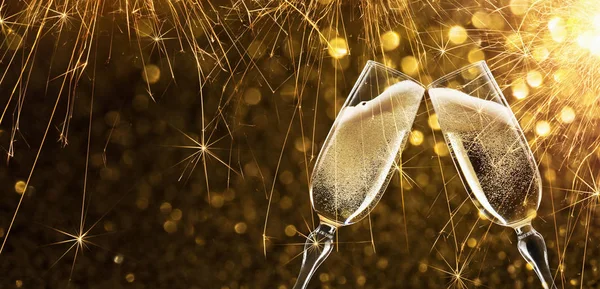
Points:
x=567 y=114
x=252 y=96
x=457 y=34
x=542 y=128
x=151 y=74
x=130 y=277
x=290 y=230
x=472 y=242
x=475 y=55
x=441 y=149
x=519 y=89
x=534 y=78
x=410 y=65
x=338 y=48
x=118 y=259
x=176 y=215
x=390 y=40
x=481 y=19
x=20 y=187
x=433 y=122
x=416 y=137
x=165 y=208
x=240 y=228
x=519 y=7
x=361 y=280
x=170 y=227
x=557 y=28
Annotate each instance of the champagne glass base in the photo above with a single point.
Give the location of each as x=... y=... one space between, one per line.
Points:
x=318 y=246
x=533 y=249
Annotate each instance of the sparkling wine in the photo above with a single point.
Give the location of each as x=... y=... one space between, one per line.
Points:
x=357 y=161
x=495 y=162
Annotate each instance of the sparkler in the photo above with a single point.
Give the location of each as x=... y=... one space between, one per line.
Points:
x=547 y=53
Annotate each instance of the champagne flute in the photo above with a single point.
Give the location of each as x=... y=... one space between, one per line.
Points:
x=493 y=157
x=357 y=159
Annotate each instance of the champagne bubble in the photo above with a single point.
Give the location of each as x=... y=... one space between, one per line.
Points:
x=356 y=163
x=495 y=162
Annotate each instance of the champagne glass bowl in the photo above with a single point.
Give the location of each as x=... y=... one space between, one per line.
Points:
x=492 y=156
x=357 y=159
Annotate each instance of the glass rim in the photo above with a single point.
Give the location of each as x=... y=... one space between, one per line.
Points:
x=480 y=63
x=366 y=70
x=373 y=63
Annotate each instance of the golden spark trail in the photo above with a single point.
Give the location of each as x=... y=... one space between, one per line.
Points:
x=25 y=25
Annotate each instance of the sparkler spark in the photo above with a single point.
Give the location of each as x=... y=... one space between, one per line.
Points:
x=74 y=24
x=546 y=54
x=204 y=151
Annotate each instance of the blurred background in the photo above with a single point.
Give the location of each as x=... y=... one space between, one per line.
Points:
x=168 y=144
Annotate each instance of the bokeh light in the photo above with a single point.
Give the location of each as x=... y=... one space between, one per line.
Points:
x=338 y=47
x=567 y=115
x=390 y=40
x=457 y=34
x=542 y=128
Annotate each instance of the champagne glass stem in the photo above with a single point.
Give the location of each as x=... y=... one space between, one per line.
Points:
x=316 y=249
x=533 y=249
